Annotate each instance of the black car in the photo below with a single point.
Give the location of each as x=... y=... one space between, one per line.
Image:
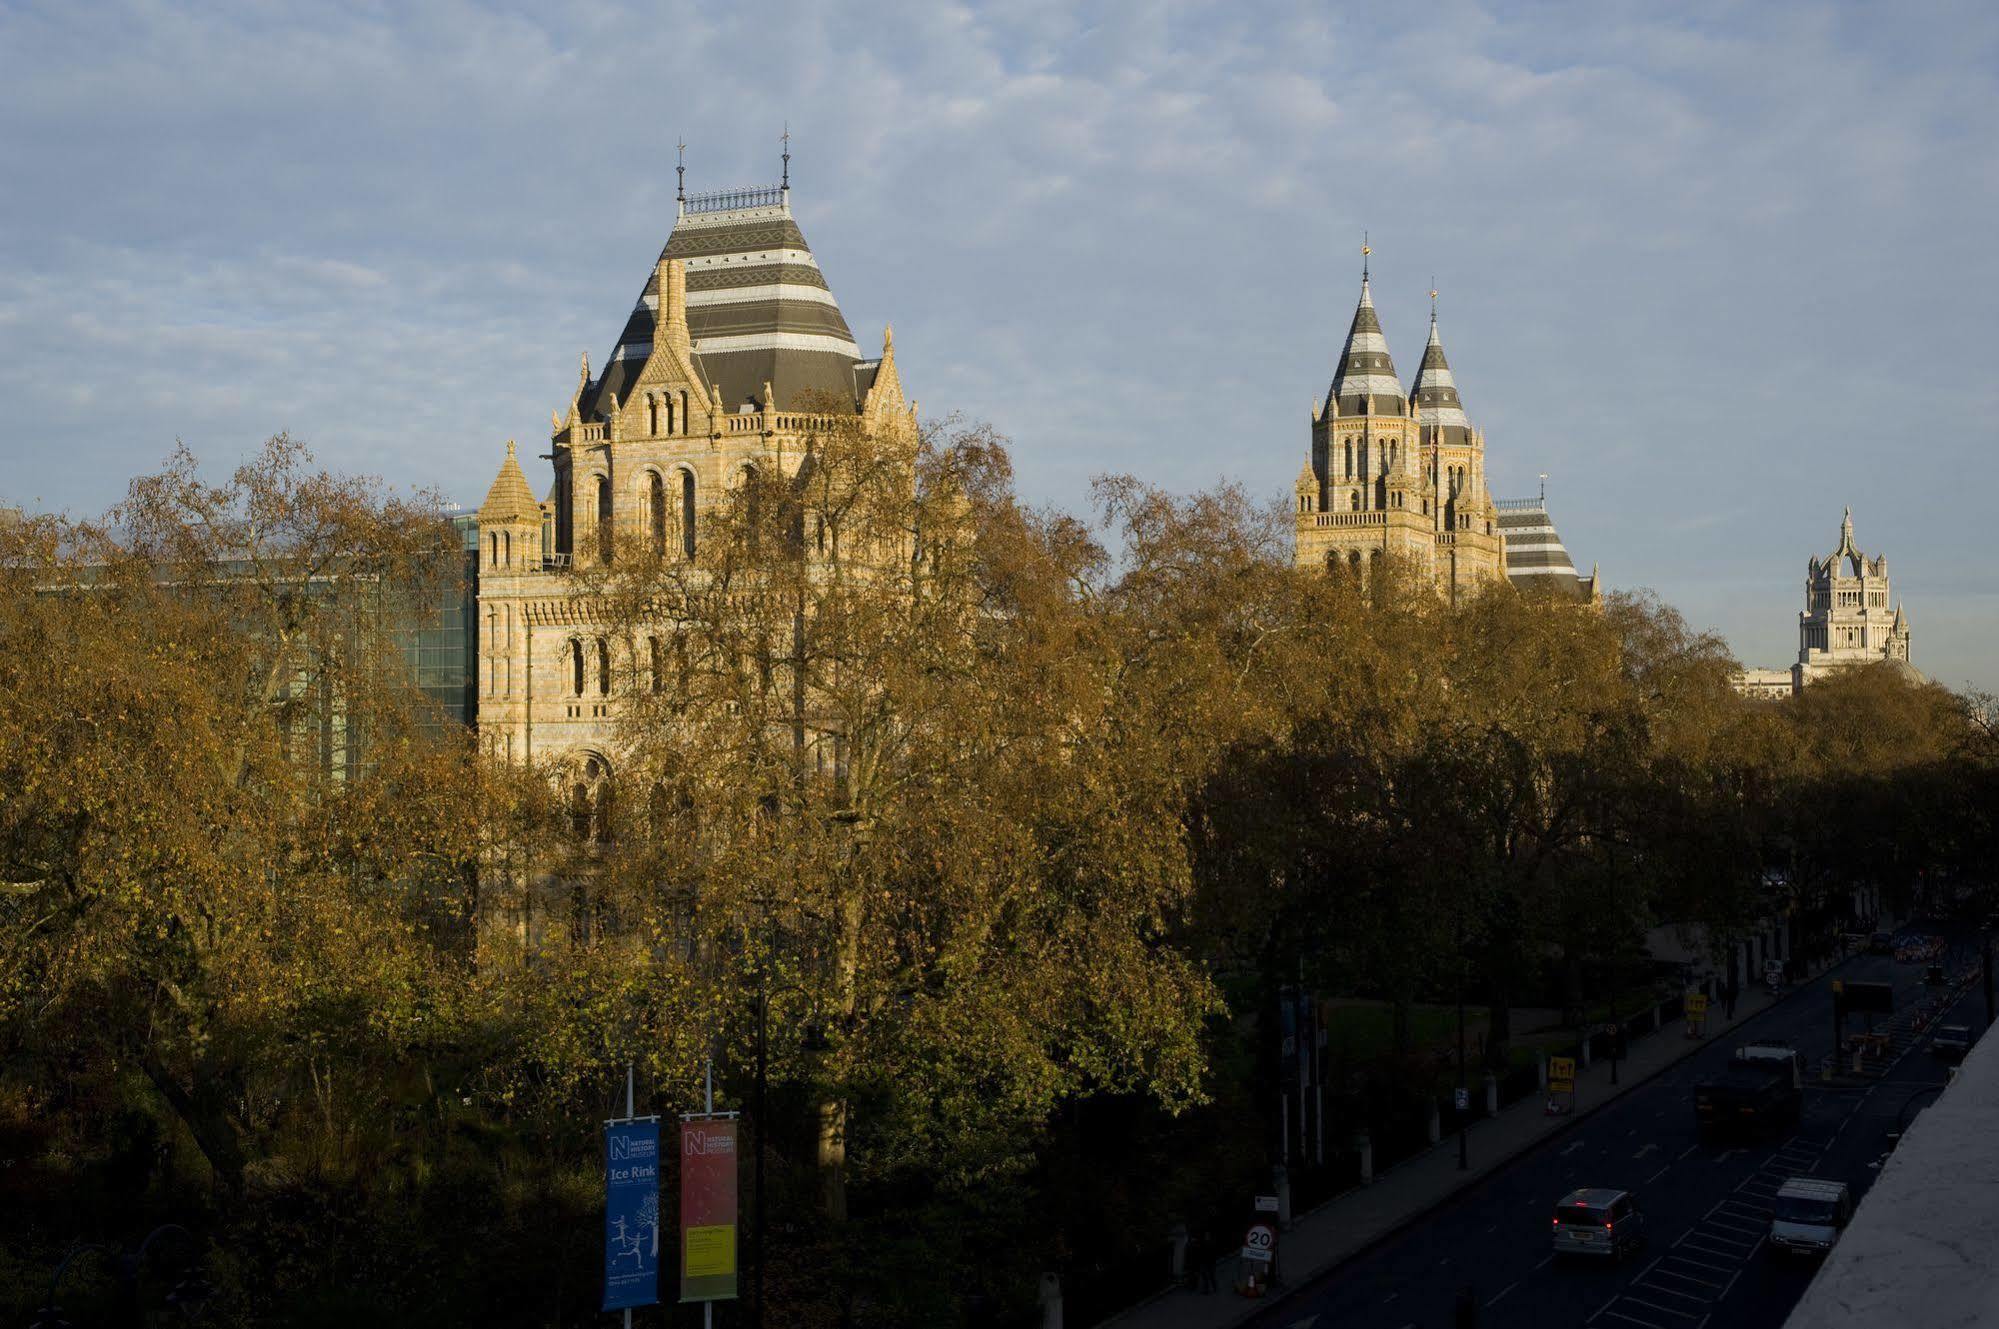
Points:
x=1952 y=1041
x=1881 y=943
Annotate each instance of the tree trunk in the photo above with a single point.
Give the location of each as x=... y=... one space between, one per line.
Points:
x=213 y=1133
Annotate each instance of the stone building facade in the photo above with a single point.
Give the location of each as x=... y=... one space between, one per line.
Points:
x=1397 y=472
x=734 y=356
x=1850 y=617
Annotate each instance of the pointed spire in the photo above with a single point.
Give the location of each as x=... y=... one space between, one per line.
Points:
x=510 y=499
x=680 y=194
x=786 y=182
x=1365 y=377
x=1435 y=392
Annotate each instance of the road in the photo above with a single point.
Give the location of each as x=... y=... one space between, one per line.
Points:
x=1706 y=1205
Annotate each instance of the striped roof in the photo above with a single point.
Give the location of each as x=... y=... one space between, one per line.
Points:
x=758 y=310
x=1435 y=394
x=1366 y=373
x=1535 y=555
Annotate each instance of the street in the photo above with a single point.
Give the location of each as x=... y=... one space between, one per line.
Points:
x=1706 y=1204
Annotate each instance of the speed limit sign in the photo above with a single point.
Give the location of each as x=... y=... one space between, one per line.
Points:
x=1260 y=1242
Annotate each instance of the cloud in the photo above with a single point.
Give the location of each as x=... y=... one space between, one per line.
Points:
x=1716 y=268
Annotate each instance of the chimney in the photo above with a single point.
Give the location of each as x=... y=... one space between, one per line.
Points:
x=671 y=325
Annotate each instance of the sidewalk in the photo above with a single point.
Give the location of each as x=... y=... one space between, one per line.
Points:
x=1348 y=1223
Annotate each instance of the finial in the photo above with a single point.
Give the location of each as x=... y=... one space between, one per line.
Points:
x=1544 y=489
x=786 y=184
x=585 y=376
x=1364 y=252
x=888 y=337
x=681 y=170
x=510 y=447
x=1433 y=299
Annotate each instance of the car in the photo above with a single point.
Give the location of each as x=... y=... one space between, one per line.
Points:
x=1598 y=1221
x=1951 y=1042
x=1881 y=943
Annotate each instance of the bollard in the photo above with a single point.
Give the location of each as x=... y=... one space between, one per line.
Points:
x=1491 y=1094
x=1433 y=1126
x=1541 y=1069
x=1583 y=1056
x=1280 y=1180
x=1051 y=1301
x=1365 y=1148
x=1178 y=1236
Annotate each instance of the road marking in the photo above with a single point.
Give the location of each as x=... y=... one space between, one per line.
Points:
x=1686 y=1278
x=1688 y=1150
x=1572 y=1148
x=1646 y=1149
x=1695 y=1297
x=1660 y=1173
x=1654 y=1306
x=1546 y=1260
x=1502 y=1292
x=1619 y=1315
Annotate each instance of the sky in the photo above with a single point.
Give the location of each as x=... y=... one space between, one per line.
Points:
x=1718 y=269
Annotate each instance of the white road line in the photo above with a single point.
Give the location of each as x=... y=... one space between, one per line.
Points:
x=1663 y=1310
x=1502 y=1292
x=1572 y=1148
x=1620 y=1315
x=1688 y=1150
x=1699 y=1299
x=1660 y=1173
x=1703 y=1264
x=1684 y=1278
x=1546 y=1260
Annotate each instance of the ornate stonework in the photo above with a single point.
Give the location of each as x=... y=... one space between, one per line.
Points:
x=647 y=448
x=1850 y=617
x=1396 y=473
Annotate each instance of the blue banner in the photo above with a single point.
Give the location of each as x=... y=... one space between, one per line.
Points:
x=631 y=1214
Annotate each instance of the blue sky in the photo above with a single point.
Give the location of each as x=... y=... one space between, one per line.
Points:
x=1718 y=269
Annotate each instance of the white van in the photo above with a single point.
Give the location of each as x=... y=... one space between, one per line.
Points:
x=1808 y=1215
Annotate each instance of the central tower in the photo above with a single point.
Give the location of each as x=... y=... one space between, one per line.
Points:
x=1393 y=472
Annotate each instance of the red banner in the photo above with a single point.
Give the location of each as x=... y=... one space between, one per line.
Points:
x=708 y=1209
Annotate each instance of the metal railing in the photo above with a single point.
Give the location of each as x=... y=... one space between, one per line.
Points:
x=728 y=200
x=1519 y=504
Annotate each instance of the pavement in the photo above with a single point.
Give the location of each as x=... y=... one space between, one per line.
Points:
x=1396 y=1253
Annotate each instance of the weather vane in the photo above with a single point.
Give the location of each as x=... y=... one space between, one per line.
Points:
x=681 y=171
x=1364 y=252
x=786 y=184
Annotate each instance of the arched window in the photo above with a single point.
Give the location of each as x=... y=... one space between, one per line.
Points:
x=604 y=528
x=603 y=667
x=492 y=551
x=687 y=515
x=685 y=422
x=1348 y=472
x=652 y=414
x=1354 y=500
x=576 y=666
x=506 y=549
x=656 y=512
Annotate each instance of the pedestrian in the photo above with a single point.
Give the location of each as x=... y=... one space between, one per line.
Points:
x=1204 y=1266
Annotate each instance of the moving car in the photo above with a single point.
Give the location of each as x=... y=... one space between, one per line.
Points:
x=1952 y=1041
x=1599 y=1221
x=1808 y=1215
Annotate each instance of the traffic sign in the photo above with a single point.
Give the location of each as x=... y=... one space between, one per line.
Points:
x=1696 y=1004
x=1260 y=1242
x=1562 y=1074
x=1266 y=1204
x=1462 y=1096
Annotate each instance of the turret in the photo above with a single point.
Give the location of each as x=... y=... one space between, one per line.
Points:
x=510 y=522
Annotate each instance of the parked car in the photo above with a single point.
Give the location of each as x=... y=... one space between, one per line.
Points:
x=1807 y=1215
x=1951 y=1042
x=1881 y=943
x=1598 y=1221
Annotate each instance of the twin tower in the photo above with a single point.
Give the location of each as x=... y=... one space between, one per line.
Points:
x=1397 y=473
